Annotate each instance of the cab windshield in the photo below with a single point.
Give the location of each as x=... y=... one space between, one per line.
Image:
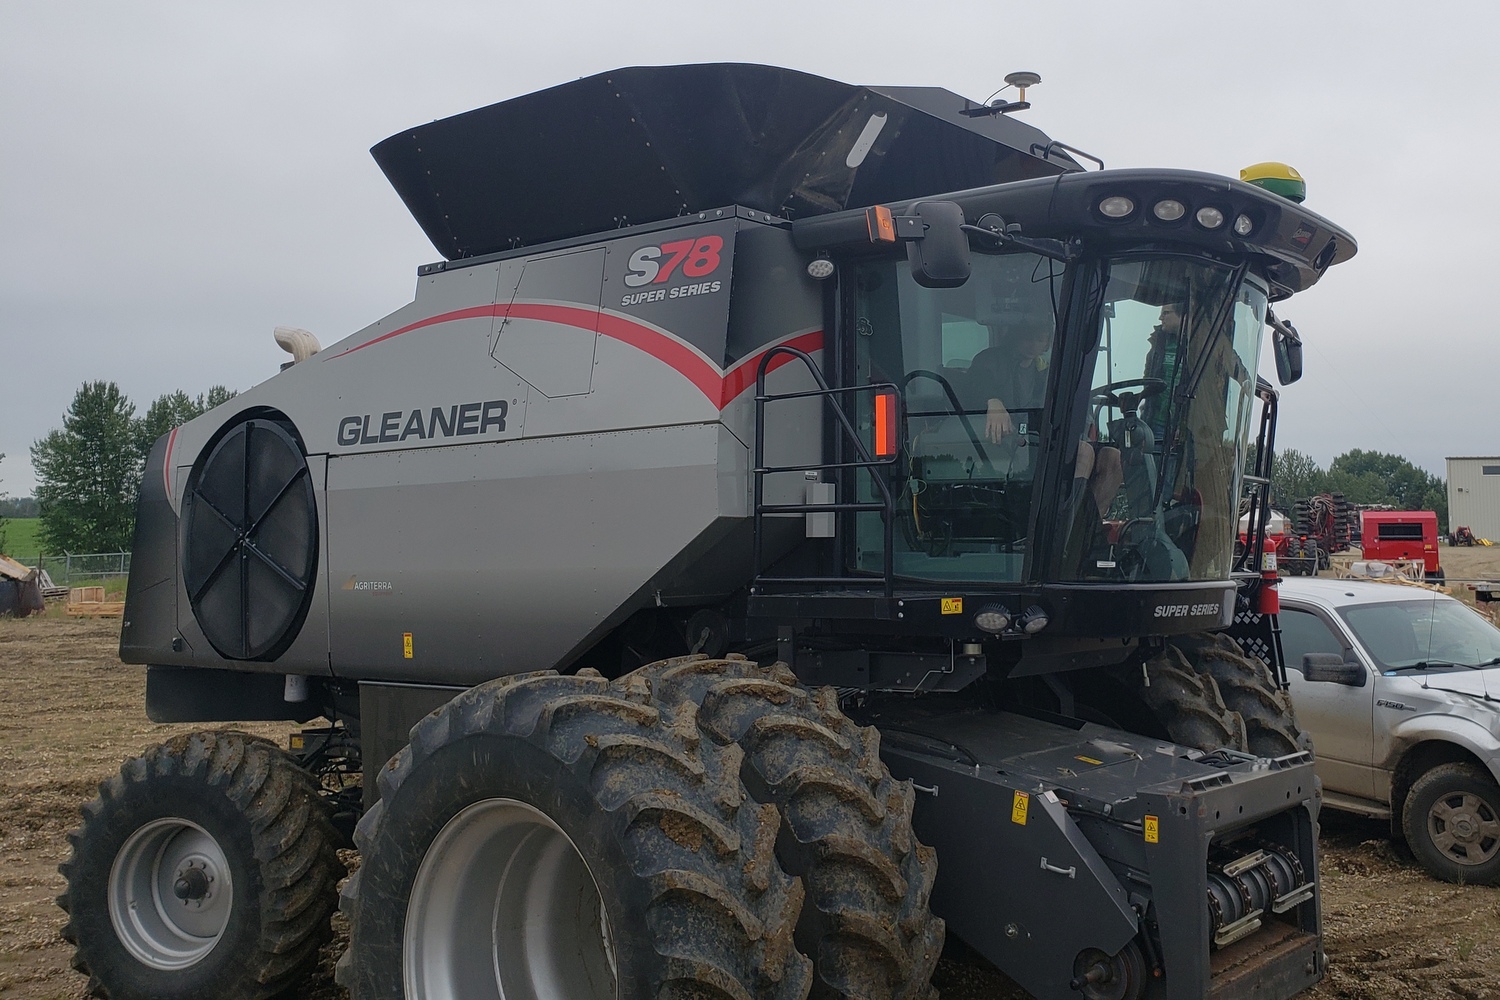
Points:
x=1156 y=379
x=1167 y=391
x=974 y=364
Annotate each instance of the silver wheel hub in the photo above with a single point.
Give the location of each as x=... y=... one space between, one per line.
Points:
x=1464 y=828
x=505 y=908
x=170 y=893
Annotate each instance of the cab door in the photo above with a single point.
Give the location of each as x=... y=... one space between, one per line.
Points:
x=1340 y=717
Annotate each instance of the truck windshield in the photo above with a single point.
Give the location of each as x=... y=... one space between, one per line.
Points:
x=974 y=364
x=1168 y=390
x=1406 y=633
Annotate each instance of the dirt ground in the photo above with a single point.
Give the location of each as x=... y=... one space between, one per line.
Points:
x=72 y=713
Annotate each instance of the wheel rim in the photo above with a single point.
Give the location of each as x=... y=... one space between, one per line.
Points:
x=170 y=893
x=505 y=908
x=1465 y=828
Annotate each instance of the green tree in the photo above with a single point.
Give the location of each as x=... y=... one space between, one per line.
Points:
x=88 y=473
x=173 y=410
x=1295 y=475
x=1390 y=479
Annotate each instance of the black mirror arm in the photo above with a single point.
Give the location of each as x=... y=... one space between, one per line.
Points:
x=1283 y=328
x=1065 y=251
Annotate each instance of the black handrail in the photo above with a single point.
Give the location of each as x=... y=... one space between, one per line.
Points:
x=887 y=504
x=958 y=408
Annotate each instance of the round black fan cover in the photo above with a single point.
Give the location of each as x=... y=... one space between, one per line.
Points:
x=250 y=541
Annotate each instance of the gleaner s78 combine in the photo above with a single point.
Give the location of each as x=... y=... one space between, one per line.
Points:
x=742 y=564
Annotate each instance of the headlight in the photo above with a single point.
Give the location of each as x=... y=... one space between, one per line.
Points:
x=1209 y=217
x=1116 y=207
x=993 y=619
x=1169 y=210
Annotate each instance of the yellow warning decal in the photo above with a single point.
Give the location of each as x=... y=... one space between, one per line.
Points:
x=953 y=605
x=406 y=645
x=1153 y=830
x=1018 y=808
x=1089 y=760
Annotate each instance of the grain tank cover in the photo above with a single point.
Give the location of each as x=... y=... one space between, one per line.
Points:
x=644 y=144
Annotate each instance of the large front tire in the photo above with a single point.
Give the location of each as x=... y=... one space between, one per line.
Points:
x=205 y=868
x=569 y=838
x=1248 y=688
x=846 y=823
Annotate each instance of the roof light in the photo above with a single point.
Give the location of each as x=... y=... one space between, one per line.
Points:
x=1209 y=217
x=1169 y=210
x=1116 y=206
x=993 y=618
x=1243 y=225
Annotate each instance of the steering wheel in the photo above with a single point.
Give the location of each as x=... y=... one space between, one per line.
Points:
x=1127 y=402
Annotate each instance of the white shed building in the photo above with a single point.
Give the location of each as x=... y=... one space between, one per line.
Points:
x=1474 y=495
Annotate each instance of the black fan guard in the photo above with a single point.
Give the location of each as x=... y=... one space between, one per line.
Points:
x=250 y=541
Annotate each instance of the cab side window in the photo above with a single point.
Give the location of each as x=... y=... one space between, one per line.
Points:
x=1304 y=632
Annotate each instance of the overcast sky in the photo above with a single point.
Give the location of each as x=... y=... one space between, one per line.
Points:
x=176 y=179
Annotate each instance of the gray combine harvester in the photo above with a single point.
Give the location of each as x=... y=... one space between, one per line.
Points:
x=741 y=564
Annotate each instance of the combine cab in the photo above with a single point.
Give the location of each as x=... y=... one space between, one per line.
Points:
x=793 y=523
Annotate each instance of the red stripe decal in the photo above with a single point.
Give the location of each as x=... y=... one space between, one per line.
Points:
x=721 y=388
x=742 y=375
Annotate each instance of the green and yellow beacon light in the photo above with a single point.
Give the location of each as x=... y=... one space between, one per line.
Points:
x=1277 y=178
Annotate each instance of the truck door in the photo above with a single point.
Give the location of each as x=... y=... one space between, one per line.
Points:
x=1339 y=717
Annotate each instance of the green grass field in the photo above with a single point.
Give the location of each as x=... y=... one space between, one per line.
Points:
x=18 y=538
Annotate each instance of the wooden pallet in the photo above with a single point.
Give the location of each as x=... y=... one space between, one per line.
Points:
x=96 y=609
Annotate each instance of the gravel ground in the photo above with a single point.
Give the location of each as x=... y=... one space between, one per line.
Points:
x=72 y=713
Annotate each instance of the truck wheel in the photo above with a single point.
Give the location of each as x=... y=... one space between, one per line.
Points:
x=569 y=838
x=205 y=868
x=1187 y=703
x=846 y=823
x=1452 y=823
x=1249 y=689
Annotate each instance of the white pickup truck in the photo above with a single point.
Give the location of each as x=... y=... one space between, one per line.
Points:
x=1400 y=689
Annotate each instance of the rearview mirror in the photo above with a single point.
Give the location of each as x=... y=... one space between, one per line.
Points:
x=1288 y=360
x=1331 y=668
x=1287 y=346
x=939 y=255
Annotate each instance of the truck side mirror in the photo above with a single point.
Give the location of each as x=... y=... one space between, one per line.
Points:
x=1331 y=668
x=939 y=253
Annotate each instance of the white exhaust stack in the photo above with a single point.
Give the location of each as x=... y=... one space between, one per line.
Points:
x=300 y=344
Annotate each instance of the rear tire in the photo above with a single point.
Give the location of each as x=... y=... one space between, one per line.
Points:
x=1451 y=820
x=567 y=838
x=205 y=868
x=846 y=823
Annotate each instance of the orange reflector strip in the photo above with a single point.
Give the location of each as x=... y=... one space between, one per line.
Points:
x=882 y=227
x=885 y=425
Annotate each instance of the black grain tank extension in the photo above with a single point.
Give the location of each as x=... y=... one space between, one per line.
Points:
x=643 y=144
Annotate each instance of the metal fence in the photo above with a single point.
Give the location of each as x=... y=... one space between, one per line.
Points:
x=76 y=570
